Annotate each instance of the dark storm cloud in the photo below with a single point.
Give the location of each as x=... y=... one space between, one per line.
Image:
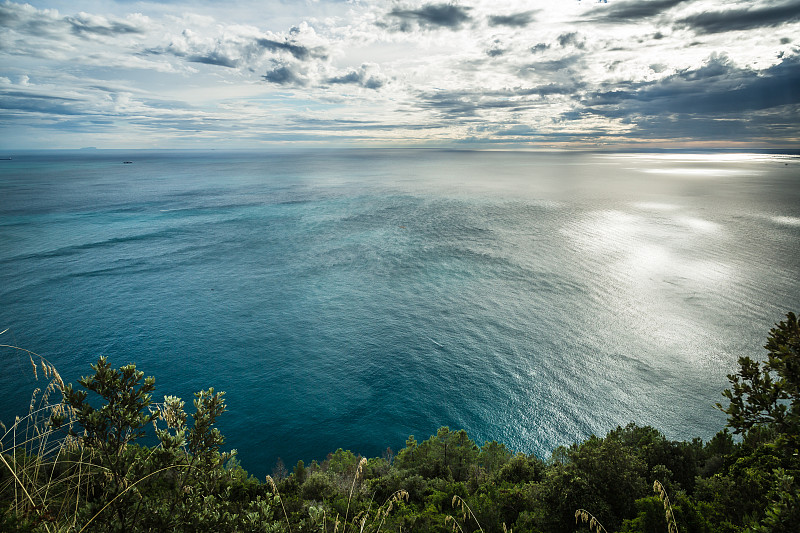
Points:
x=718 y=90
x=432 y=16
x=772 y=127
x=516 y=20
x=742 y=19
x=297 y=50
x=633 y=10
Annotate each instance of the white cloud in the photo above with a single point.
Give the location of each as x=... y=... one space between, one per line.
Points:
x=516 y=73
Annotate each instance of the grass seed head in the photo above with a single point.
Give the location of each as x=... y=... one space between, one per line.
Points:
x=36 y=391
x=361 y=464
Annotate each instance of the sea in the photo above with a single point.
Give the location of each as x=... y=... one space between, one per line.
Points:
x=351 y=298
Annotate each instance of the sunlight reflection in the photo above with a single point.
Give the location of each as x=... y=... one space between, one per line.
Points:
x=700 y=172
x=648 y=259
x=641 y=253
x=655 y=257
x=698 y=224
x=701 y=158
x=788 y=221
x=655 y=206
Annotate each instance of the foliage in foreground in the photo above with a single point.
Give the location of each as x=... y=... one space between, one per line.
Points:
x=77 y=462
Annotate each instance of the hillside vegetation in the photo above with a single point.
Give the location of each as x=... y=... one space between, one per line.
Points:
x=76 y=462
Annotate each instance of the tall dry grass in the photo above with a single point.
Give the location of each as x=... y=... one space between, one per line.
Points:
x=49 y=468
x=658 y=488
x=589 y=518
x=45 y=464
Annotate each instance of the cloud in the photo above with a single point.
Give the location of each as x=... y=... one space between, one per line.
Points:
x=47 y=23
x=196 y=48
x=558 y=88
x=34 y=102
x=342 y=124
x=569 y=63
x=54 y=99
x=468 y=69
x=715 y=101
x=468 y=103
x=28 y=20
x=516 y=20
x=243 y=48
x=366 y=76
x=719 y=86
x=634 y=10
x=525 y=131
x=541 y=47
x=287 y=74
x=449 y=16
x=214 y=57
x=82 y=39
x=460 y=103
x=84 y=23
x=297 y=50
x=742 y=19
x=496 y=49
x=571 y=39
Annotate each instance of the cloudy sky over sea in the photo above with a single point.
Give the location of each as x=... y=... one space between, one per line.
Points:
x=473 y=74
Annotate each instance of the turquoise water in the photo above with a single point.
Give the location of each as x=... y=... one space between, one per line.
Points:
x=349 y=299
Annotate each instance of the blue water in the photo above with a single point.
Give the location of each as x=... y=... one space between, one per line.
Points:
x=351 y=298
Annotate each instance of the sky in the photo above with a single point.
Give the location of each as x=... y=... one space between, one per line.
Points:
x=482 y=74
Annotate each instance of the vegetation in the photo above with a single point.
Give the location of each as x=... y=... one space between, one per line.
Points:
x=80 y=461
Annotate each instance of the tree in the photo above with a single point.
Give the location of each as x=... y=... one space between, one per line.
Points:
x=493 y=456
x=300 y=471
x=767 y=395
x=122 y=417
x=604 y=475
x=183 y=483
x=109 y=429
